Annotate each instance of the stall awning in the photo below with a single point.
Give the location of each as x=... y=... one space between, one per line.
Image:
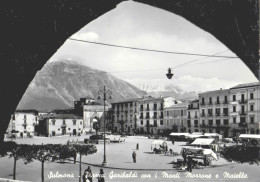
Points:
x=203 y=141
x=179 y=134
x=253 y=136
x=159 y=142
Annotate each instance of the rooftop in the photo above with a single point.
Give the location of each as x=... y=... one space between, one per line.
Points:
x=60 y=116
x=245 y=85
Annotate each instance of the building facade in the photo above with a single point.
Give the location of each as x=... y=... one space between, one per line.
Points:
x=142 y=115
x=175 y=117
x=22 y=123
x=231 y=112
x=193 y=116
x=61 y=124
x=214 y=112
x=245 y=108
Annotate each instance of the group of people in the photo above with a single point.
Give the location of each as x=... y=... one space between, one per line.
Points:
x=88 y=176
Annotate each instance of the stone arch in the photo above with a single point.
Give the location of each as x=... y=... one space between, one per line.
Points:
x=36 y=29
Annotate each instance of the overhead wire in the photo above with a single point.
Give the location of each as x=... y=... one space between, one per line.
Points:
x=151 y=50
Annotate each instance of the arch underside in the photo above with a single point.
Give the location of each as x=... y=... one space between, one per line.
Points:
x=32 y=31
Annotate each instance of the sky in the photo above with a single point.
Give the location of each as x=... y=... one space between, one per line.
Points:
x=138 y=25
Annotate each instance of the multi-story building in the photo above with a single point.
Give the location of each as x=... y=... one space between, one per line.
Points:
x=60 y=124
x=193 y=116
x=142 y=115
x=214 y=112
x=125 y=116
x=175 y=117
x=245 y=108
x=22 y=123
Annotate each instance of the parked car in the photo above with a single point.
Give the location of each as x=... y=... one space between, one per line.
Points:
x=86 y=140
x=98 y=139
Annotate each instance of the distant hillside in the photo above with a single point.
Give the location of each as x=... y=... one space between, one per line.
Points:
x=60 y=83
x=158 y=88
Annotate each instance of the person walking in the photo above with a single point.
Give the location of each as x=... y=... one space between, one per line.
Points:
x=166 y=149
x=89 y=174
x=84 y=176
x=137 y=146
x=134 y=156
x=189 y=164
x=101 y=177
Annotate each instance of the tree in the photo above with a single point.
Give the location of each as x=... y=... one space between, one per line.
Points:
x=83 y=150
x=246 y=153
x=16 y=152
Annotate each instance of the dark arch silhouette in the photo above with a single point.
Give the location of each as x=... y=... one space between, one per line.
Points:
x=32 y=31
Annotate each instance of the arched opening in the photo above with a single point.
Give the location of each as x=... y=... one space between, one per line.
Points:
x=45 y=37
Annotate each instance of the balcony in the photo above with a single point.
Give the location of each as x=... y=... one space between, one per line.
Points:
x=147 y=109
x=217 y=103
x=210 y=103
x=242 y=102
x=155 y=108
x=196 y=125
x=225 y=102
x=203 y=126
x=188 y=116
x=161 y=117
x=195 y=116
x=209 y=115
x=63 y=125
x=203 y=115
x=202 y=104
x=147 y=117
x=161 y=108
x=242 y=113
x=217 y=114
x=155 y=117
x=141 y=109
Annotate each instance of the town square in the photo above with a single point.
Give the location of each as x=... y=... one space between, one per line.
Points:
x=129 y=90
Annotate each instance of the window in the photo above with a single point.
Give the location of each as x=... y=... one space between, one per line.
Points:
x=242 y=97
x=188 y=121
x=203 y=101
x=218 y=122
x=251 y=95
x=74 y=122
x=210 y=122
x=155 y=106
x=225 y=111
x=225 y=99
x=217 y=111
x=24 y=117
x=234 y=97
x=80 y=122
x=142 y=122
x=234 y=120
x=252 y=120
x=251 y=107
x=64 y=122
x=210 y=100
x=53 y=122
x=68 y=128
x=155 y=123
x=36 y=118
x=189 y=114
x=14 y=117
x=196 y=122
x=225 y=121
x=167 y=113
x=181 y=112
x=234 y=108
x=161 y=122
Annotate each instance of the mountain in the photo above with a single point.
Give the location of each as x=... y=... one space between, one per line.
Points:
x=60 y=83
x=159 y=87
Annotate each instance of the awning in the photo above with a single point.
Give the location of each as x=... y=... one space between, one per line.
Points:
x=200 y=151
x=253 y=136
x=203 y=141
x=159 y=142
x=194 y=136
x=179 y=134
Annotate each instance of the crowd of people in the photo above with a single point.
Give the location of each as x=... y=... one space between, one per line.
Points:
x=88 y=176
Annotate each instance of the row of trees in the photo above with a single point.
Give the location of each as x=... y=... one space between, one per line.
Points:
x=44 y=153
x=246 y=153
